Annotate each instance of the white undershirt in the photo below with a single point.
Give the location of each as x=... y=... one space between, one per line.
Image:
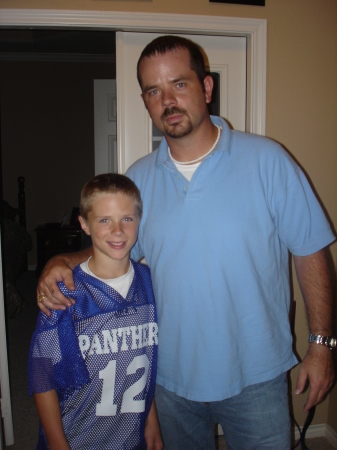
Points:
x=187 y=170
x=120 y=284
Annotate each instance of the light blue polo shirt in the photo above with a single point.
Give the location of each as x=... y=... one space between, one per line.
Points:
x=217 y=247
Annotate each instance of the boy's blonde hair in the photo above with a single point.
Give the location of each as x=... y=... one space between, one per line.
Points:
x=112 y=183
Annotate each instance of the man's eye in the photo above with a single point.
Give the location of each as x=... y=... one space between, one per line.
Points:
x=128 y=219
x=153 y=92
x=180 y=85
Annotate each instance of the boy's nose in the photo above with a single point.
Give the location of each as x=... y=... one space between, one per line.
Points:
x=116 y=228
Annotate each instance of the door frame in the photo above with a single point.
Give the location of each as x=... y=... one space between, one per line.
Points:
x=255 y=30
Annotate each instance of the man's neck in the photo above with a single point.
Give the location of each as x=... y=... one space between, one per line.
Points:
x=194 y=145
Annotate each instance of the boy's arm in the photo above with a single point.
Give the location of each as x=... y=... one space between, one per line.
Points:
x=48 y=408
x=152 y=432
x=58 y=268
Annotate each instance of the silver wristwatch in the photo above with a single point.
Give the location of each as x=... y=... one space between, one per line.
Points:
x=329 y=341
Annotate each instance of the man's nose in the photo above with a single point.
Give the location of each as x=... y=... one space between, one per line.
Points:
x=168 y=98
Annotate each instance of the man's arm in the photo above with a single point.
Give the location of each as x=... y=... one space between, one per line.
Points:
x=59 y=268
x=48 y=408
x=315 y=280
x=152 y=432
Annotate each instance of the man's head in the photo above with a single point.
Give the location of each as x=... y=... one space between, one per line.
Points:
x=109 y=183
x=169 y=43
x=175 y=86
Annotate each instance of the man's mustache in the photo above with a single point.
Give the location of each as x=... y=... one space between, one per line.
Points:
x=171 y=111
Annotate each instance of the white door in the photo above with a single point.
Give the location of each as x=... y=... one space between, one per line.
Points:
x=105 y=116
x=227 y=56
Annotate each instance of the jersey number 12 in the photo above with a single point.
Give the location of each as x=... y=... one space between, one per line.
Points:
x=106 y=407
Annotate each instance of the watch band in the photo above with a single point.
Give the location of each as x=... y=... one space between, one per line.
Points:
x=329 y=341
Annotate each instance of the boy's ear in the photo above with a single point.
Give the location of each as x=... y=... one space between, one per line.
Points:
x=84 y=225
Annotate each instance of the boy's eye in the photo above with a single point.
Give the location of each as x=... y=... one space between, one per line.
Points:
x=128 y=219
x=104 y=221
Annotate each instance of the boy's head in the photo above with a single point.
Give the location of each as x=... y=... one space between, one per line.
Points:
x=112 y=183
x=110 y=212
x=169 y=43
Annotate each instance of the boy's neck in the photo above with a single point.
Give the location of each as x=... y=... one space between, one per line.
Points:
x=108 y=269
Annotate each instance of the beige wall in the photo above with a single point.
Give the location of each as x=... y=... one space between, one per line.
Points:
x=301 y=99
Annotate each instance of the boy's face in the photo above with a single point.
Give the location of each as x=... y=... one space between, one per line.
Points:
x=113 y=225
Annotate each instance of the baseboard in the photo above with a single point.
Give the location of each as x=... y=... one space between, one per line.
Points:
x=331 y=436
x=320 y=430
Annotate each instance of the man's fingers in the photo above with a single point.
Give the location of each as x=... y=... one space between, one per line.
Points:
x=48 y=291
x=46 y=301
x=44 y=309
x=69 y=281
x=317 y=393
x=314 y=398
x=301 y=381
x=53 y=297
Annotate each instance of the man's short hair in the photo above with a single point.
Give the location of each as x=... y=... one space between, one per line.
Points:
x=169 y=43
x=112 y=183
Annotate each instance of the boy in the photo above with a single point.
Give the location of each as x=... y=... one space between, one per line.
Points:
x=92 y=367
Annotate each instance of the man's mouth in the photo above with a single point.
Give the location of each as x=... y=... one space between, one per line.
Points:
x=172 y=115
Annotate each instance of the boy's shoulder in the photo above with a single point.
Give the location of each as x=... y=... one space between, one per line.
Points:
x=142 y=269
x=143 y=279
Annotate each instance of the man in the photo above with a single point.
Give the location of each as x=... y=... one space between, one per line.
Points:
x=222 y=209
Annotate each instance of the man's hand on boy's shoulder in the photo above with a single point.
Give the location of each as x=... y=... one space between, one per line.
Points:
x=49 y=295
x=58 y=268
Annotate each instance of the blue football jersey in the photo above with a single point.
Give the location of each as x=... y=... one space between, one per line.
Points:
x=101 y=357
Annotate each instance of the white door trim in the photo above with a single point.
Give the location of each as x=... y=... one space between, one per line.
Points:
x=254 y=29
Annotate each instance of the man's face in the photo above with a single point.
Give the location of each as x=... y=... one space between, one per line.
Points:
x=172 y=93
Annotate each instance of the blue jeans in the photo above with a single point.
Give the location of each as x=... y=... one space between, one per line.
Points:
x=257 y=418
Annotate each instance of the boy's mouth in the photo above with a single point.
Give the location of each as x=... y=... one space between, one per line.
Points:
x=117 y=245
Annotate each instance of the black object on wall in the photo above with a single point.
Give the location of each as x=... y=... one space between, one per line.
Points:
x=241 y=2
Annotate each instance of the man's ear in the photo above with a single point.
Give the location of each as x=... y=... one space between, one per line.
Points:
x=84 y=225
x=208 y=85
